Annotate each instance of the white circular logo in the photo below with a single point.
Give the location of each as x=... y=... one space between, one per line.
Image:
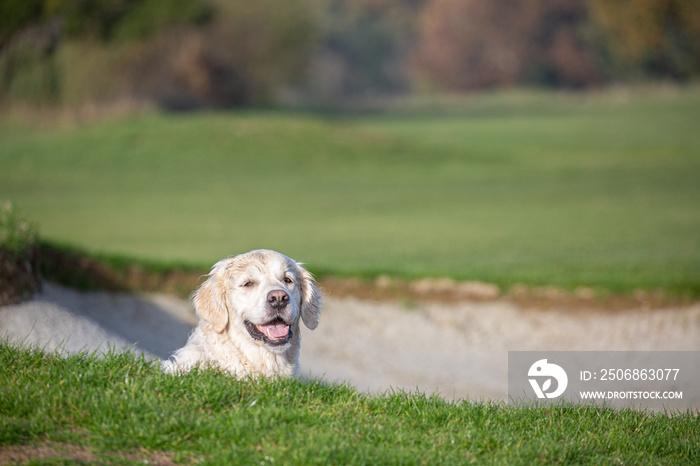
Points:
x=542 y=370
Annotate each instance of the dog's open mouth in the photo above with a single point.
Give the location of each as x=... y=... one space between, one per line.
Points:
x=274 y=333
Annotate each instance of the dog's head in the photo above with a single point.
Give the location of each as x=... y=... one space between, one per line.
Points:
x=261 y=294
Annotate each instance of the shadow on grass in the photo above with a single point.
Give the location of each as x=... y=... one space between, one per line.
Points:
x=75 y=268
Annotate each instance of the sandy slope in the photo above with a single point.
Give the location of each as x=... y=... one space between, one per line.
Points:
x=459 y=350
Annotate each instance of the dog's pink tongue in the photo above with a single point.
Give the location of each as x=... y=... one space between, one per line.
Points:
x=274 y=331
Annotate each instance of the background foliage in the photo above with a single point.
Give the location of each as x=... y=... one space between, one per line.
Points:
x=184 y=54
x=179 y=55
x=19 y=271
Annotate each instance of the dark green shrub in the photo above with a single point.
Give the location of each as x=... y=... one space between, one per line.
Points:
x=19 y=258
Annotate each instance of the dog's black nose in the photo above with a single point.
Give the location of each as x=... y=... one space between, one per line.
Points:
x=277 y=299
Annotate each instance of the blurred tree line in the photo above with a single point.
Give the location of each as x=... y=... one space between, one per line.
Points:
x=191 y=53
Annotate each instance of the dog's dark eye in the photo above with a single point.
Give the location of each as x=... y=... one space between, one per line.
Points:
x=287 y=280
x=248 y=284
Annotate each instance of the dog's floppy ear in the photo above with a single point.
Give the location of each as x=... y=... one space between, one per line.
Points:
x=310 y=299
x=210 y=300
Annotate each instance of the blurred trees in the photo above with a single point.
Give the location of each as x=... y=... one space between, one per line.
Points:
x=193 y=53
x=656 y=38
x=247 y=53
x=34 y=36
x=467 y=44
x=177 y=53
x=363 y=47
x=470 y=44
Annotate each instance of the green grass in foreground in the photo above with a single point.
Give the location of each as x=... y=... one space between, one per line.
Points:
x=541 y=189
x=120 y=407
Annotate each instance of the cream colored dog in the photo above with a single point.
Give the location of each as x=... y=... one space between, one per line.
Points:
x=249 y=309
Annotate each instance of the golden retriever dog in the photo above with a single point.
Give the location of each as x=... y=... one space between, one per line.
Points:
x=249 y=309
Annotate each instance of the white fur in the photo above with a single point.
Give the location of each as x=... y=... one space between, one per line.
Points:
x=236 y=291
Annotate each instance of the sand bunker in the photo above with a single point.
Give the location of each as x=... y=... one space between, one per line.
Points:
x=458 y=350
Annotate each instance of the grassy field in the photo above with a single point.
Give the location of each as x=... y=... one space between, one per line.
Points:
x=542 y=189
x=121 y=410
